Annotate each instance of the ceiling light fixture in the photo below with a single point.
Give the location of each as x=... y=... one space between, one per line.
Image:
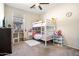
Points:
x=37 y=4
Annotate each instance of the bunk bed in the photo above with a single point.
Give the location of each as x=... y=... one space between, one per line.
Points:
x=43 y=30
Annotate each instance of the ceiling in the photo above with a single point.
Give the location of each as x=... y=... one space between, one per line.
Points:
x=26 y=7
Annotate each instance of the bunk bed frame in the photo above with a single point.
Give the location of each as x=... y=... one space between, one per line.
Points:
x=47 y=29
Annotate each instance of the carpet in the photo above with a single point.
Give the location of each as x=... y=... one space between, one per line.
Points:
x=32 y=42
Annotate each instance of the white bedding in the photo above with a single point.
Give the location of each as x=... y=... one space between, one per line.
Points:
x=41 y=37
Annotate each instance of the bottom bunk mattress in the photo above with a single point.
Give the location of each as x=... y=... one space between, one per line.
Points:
x=37 y=36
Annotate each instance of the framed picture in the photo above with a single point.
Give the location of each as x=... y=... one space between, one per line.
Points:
x=69 y=14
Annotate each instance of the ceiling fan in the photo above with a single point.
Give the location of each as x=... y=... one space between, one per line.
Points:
x=38 y=5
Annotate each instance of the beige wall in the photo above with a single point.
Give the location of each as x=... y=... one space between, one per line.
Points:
x=1 y=14
x=8 y=16
x=68 y=25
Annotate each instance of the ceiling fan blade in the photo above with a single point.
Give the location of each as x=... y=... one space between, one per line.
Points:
x=40 y=7
x=43 y=3
x=32 y=6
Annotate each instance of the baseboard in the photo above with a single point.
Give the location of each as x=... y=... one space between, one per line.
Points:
x=72 y=47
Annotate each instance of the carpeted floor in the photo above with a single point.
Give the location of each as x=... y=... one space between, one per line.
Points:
x=22 y=49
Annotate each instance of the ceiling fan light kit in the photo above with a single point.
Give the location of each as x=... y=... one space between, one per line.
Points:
x=37 y=4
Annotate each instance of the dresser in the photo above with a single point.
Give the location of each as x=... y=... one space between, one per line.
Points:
x=5 y=41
